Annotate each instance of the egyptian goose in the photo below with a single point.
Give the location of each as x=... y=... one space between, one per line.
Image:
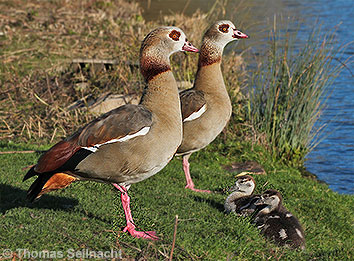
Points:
x=277 y=223
x=241 y=200
x=206 y=107
x=129 y=143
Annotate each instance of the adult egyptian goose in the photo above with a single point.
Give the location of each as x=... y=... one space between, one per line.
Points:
x=206 y=108
x=277 y=223
x=241 y=200
x=127 y=144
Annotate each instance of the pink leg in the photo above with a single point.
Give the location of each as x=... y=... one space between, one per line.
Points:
x=190 y=184
x=128 y=216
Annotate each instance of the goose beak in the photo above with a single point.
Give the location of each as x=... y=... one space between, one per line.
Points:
x=189 y=47
x=239 y=35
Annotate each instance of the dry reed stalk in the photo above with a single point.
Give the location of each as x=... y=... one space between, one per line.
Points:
x=174 y=237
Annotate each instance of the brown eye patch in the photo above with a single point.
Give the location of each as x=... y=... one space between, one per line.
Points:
x=174 y=35
x=224 y=28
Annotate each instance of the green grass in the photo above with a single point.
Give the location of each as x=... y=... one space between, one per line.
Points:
x=35 y=71
x=89 y=215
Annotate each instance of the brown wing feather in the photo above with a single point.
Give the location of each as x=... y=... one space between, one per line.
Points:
x=115 y=124
x=191 y=101
x=57 y=155
x=125 y=120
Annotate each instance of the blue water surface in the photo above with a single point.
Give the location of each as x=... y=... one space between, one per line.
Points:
x=333 y=159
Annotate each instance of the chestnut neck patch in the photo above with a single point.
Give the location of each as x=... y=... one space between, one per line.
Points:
x=150 y=68
x=209 y=54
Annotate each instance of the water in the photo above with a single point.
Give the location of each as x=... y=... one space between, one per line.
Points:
x=333 y=159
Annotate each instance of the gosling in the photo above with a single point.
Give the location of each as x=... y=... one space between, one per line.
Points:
x=277 y=223
x=241 y=200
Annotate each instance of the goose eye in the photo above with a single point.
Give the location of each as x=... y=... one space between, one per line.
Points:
x=224 y=28
x=174 y=35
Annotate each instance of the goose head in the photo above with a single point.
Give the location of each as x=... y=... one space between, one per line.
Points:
x=244 y=185
x=158 y=46
x=166 y=41
x=222 y=32
x=269 y=201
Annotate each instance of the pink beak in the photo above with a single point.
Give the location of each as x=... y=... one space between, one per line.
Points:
x=239 y=35
x=189 y=47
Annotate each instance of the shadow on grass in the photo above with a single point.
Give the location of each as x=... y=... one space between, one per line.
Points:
x=215 y=204
x=12 y=197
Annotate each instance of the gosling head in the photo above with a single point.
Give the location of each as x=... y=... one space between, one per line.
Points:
x=270 y=200
x=244 y=185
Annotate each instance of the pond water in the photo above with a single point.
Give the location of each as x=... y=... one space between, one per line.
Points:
x=333 y=159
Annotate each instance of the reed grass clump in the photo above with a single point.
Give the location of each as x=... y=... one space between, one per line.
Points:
x=288 y=92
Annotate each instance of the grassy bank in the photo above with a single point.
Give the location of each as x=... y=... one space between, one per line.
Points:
x=88 y=215
x=39 y=79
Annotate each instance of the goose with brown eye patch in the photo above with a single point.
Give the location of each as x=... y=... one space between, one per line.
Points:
x=128 y=144
x=206 y=108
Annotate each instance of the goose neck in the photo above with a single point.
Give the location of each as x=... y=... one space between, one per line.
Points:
x=160 y=91
x=210 y=53
x=153 y=63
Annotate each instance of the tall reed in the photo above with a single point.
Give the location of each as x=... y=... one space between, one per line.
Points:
x=288 y=92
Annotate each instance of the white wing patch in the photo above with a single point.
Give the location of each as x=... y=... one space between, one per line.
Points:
x=196 y=114
x=282 y=234
x=263 y=227
x=142 y=132
x=93 y=149
x=288 y=215
x=299 y=233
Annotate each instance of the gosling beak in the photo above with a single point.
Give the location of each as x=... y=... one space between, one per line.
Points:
x=234 y=188
x=239 y=35
x=189 y=47
x=260 y=201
